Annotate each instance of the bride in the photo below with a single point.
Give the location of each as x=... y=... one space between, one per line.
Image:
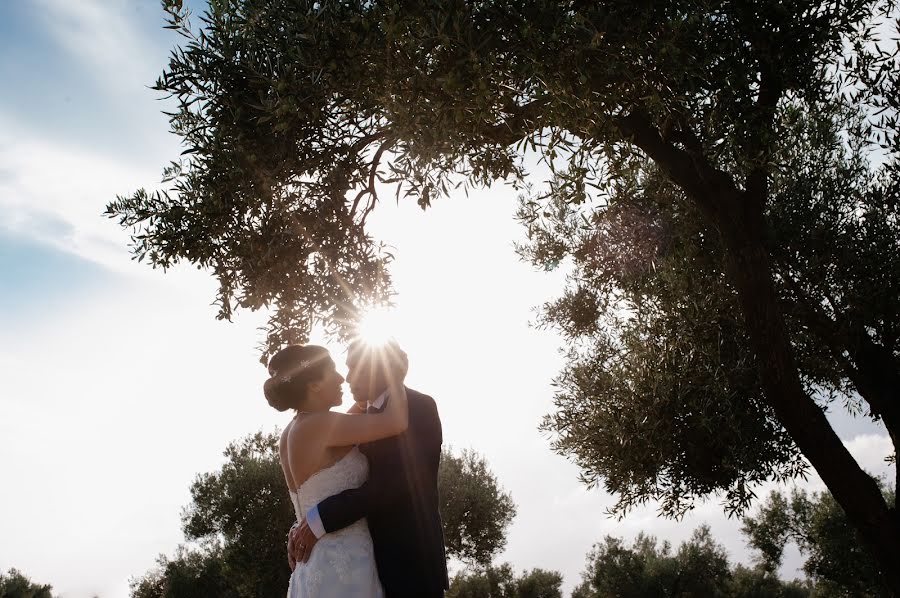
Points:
x=319 y=459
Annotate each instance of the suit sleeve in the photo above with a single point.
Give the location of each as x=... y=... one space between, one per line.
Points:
x=431 y=435
x=386 y=484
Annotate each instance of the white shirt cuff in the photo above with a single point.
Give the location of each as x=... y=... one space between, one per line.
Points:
x=315 y=522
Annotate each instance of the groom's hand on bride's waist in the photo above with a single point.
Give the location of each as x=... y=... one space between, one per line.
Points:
x=292 y=562
x=301 y=542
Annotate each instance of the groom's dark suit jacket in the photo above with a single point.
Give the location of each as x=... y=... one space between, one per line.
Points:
x=400 y=502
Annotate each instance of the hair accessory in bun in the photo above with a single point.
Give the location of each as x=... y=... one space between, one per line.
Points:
x=295 y=370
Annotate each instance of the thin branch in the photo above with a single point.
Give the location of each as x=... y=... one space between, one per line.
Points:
x=373 y=173
x=522 y=121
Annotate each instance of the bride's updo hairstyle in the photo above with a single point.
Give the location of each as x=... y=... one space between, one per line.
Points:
x=290 y=371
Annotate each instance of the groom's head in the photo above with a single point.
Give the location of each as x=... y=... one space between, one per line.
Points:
x=367 y=367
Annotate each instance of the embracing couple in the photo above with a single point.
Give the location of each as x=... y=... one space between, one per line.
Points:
x=363 y=483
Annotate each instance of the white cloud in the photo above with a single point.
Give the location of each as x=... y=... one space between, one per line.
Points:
x=54 y=191
x=103 y=35
x=870 y=451
x=55 y=194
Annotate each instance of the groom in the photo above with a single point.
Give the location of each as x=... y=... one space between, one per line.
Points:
x=400 y=498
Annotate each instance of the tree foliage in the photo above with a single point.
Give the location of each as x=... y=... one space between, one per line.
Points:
x=660 y=397
x=681 y=131
x=699 y=567
x=475 y=510
x=246 y=505
x=191 y=572
x=14 y=584
x=237 y=521
x=836 y=559
x=236 y=526
x=754 y=582
x=502 y=582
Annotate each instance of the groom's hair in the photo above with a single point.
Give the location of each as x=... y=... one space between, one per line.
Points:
x=367 y=362
x=290 y=370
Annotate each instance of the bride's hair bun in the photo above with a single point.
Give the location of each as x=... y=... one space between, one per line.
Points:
x=290 y=370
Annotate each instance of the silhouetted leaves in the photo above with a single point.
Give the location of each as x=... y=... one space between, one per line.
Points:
x=501 y=582
x=836 y=559
x=14 y=584
x=474 y=508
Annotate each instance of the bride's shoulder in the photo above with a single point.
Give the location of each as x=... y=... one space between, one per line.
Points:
x=306 y=425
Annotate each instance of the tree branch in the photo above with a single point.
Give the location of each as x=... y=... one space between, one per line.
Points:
x=710 y=187
x=522 y=120
x=870 y=368
x=373 y=174
x=770 y=90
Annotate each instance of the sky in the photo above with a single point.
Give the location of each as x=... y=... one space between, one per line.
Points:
x=118 y=385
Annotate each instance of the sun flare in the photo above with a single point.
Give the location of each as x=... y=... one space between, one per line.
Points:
x=377 y=326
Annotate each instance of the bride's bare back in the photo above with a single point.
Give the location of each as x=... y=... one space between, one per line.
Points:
x=312 y=461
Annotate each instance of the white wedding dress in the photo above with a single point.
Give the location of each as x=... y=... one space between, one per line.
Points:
x=342 y=564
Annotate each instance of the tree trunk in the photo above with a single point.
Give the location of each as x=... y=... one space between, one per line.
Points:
x=852 y=488
x=877 y=380
x=739 y=217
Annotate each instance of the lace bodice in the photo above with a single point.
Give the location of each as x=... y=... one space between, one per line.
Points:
x=343 y=562
x=348 y=472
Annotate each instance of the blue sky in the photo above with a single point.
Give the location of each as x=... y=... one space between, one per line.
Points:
x=118 y=386
x=52 y=89
x=48 y=92
x=37 y=278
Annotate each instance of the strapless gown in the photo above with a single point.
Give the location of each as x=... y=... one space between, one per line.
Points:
x=342 y=564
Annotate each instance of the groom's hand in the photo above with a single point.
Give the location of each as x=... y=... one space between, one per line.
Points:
x=292 y=561
x=302 y=541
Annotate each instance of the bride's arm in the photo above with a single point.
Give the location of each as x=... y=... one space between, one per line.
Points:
x=345 y=429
